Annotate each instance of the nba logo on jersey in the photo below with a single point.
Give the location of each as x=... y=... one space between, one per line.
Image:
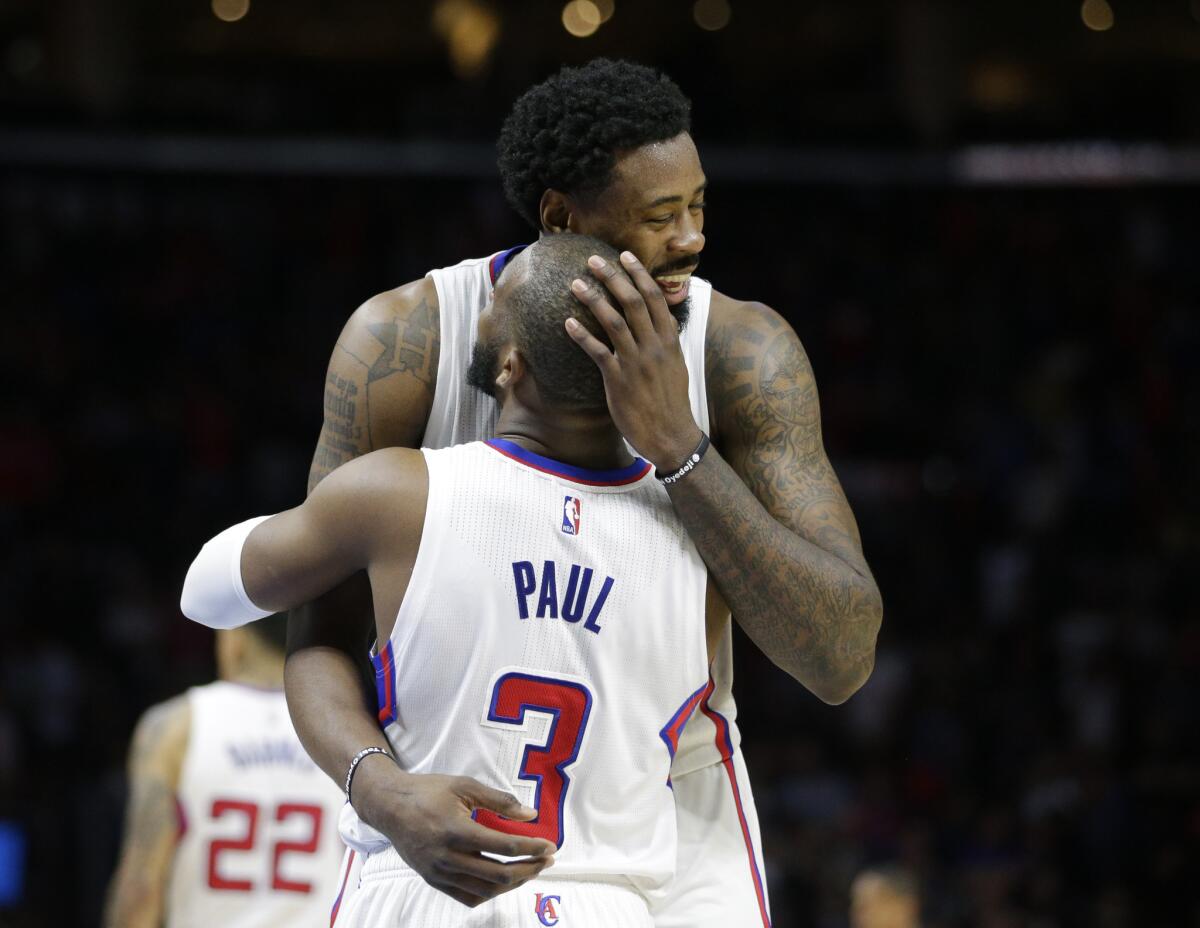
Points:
x=570 y=523
x=544 y=906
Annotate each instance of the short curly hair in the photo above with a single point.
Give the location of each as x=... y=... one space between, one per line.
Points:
x=565 y=133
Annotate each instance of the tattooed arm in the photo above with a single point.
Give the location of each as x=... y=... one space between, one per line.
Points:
x=137 y=894
x=769 y=517
x=768 y=514
x=378 y=392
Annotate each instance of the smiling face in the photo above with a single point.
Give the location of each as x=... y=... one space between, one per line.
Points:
x=654 y=207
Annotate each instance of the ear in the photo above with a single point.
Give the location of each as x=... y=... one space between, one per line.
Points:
x=556 y=210
x=512 y=369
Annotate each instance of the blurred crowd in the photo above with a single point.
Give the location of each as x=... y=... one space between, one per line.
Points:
x=1009 y=384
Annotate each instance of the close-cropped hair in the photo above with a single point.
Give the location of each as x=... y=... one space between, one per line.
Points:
x=566 y=132
x=538 y=305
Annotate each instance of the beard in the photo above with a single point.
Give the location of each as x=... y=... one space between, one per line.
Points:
x=682 y=312
x=482 y=373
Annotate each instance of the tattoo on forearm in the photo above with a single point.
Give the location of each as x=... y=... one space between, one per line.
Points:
x=792 y=568
x=805 y=608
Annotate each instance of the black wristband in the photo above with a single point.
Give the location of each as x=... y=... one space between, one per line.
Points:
x=358 y=759
x=692 y=460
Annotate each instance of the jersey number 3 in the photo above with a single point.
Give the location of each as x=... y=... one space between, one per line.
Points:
x=545 y=765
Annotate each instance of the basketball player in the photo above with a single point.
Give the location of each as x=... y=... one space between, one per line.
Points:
x=540 y=614
x=229 y=822
x=606 y=150
x=885 y=897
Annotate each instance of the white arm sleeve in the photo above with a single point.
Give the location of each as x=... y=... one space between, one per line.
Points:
x=213 y=592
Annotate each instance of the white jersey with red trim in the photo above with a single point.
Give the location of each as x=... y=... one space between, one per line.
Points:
x=259 y=843
x=461 y=413
x=551 y=644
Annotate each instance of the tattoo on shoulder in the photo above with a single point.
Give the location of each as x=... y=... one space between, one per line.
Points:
x=411 y=346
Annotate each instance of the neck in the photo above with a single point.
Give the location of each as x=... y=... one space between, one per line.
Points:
x=264 y=674
x=583 y=439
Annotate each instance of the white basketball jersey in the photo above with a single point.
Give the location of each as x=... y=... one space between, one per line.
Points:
x=259 y=843
x=461 y=413
x=551 y=644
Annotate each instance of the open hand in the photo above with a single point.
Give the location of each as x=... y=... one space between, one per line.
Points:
x=427 y=817
x=645 y=377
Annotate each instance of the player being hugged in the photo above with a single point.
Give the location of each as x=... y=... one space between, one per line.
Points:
x=540 y=613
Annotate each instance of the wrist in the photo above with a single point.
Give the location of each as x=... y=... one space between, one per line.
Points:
x=373 y=772
x=671 y=454
x=670 y=478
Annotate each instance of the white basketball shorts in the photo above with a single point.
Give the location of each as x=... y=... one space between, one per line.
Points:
x=719 y=881
x=719 y=878
x=390 y=895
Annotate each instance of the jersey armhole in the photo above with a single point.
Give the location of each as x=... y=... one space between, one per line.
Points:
x=438 y=411
x=426 y=549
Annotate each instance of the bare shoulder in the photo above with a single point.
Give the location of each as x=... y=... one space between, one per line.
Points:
x=380 y=496
x=160 y=738
x=388 y=472
x=407 y=311
x=381 y=378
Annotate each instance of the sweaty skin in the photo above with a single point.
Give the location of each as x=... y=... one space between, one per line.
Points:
x=765 y=510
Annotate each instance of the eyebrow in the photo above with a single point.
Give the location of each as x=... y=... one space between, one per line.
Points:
x=663 y=201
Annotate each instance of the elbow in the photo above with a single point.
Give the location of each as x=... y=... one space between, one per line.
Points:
x=192 y=600
x=847 y=668
x=835 y=690
x=213 y=592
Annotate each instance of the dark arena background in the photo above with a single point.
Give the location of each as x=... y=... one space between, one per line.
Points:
x=981 y=218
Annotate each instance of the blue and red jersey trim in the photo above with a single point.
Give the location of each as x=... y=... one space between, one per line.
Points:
x=500 y=259
x=674 y=728
x=385 y=684
x=724 y=743
x=337 y=903
x=592 y=478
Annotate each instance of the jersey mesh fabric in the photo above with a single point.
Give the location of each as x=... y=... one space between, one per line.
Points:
x=260 y=845
x=460 y=414
x=491 y=524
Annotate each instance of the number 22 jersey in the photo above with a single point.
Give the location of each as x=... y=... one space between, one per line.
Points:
x=551 y=644
x=258 y=841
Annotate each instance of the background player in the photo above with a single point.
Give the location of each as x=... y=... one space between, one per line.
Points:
x=885 y=897
x=559 y=656
x=606 y=150
x=229 y=823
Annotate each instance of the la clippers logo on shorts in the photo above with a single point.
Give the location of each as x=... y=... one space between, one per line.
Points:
x=544 y=906
x=570 y=523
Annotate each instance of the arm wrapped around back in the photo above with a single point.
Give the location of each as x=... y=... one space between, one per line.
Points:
x=213 y=593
